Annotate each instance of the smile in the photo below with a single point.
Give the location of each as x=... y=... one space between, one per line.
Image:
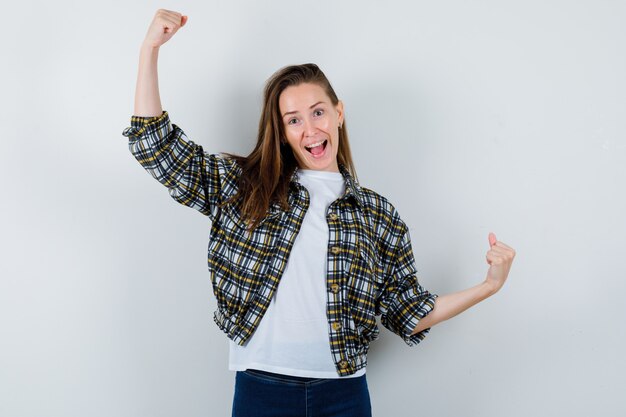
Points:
x=317 y=149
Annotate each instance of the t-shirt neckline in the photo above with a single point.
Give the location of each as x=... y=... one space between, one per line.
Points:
x=314 y=173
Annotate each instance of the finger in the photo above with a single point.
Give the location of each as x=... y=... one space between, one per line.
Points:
x=174 y=17
x=170 y=25
x=178 y=20
x=503 y=245
x=492 y=239
x=495 y=259
x=166 y=15
x=172 y=21
x=172 y=13
x=492 y=256
x=492 y=259
x=505 y=252
x=501 y=251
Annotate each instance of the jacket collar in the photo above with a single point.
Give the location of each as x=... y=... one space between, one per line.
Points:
x=352 y=186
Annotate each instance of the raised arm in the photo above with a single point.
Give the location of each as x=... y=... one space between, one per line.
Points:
x=193 y=177
x=164 y=25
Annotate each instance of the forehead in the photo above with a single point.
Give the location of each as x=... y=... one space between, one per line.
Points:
x=300 y=97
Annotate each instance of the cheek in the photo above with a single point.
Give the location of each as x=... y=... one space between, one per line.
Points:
x=325 y=124
x=293 y=138
x=292 y=133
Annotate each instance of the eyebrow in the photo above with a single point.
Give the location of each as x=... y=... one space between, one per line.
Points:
x=295 y=111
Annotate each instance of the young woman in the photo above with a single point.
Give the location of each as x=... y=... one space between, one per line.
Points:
x=302 y=257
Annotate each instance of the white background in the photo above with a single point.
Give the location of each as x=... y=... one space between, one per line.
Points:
x=469 y=116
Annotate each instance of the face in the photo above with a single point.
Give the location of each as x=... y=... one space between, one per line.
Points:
x=311 y=125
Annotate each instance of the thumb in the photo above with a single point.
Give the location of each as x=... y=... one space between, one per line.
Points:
x=183 y=20
x=492 y=239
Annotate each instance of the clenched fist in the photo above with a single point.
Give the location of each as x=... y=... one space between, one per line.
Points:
x=164 y=25
x=499 y=257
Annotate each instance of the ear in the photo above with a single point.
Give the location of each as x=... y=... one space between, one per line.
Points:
x=340 y=114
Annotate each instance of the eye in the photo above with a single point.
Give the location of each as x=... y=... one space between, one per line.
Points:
x=318 y=112
x=292 y=121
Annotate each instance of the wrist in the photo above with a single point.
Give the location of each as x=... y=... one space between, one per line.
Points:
x=490 y=288
x=147 y=47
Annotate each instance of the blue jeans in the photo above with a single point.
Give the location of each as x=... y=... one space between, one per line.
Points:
x=264 y=394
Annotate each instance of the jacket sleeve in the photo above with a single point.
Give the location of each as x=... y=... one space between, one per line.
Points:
x=193 y=178
x=403 y=302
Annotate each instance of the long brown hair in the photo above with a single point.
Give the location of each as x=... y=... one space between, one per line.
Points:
x=267 y=171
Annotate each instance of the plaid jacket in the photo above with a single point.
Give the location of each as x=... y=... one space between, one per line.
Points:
x=371 y=268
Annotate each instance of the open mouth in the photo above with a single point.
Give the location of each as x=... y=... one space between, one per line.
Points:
x=317 y=149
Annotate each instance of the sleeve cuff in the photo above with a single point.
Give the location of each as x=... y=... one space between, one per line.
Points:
x=426 y=307
x=138 y=124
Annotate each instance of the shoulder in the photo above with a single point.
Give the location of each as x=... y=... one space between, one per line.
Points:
x=382 y=212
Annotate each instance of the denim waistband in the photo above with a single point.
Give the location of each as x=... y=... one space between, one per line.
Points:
x=291 y=378
x=282 y=377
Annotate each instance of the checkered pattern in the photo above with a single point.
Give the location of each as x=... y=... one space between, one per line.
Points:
x=371 y=268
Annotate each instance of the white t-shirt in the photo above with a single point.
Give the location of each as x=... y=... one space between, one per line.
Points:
x=292 y=337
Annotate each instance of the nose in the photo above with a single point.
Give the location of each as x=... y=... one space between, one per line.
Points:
x=309 y=127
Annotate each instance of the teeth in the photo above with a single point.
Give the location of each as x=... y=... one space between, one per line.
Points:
x=313 y=145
